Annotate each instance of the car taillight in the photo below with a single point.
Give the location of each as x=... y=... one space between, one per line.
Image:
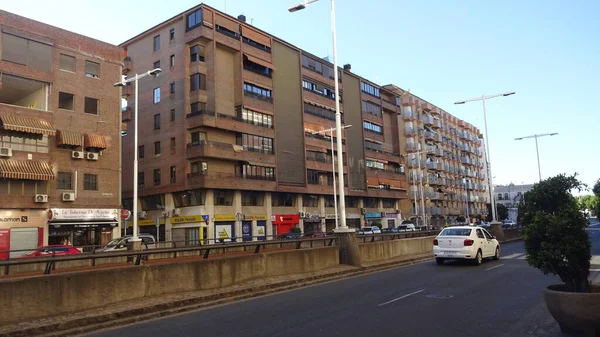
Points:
x=435 y=242
x=469 y=242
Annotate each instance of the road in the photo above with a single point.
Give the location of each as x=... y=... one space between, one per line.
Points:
x=499 y=298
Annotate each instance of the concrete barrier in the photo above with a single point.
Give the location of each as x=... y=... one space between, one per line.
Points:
x=36 y=297
x=512 y=234
x=393 y=249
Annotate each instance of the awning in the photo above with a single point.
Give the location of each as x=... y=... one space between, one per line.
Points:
x=258 y=163
x=72 y=138
x=320 y=105
x=259 y=61
x=20 y=169
x=316 y=149
x=29 y=125
x=96 y=141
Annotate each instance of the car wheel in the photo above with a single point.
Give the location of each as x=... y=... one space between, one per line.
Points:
x=497 y=255
x=478 y=258
x=439 y=260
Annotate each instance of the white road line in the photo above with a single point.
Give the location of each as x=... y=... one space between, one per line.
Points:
x=594 y=269
x=494 y=267
x=401 y=297
x=522 y=257
x=595 y=259
x=512 y=256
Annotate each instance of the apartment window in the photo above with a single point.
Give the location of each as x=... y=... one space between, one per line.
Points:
x=189 y=198
x=312 y=177
x=227 y=32
x=371 y=203
x=375 y=164
x=388 y=203
x=310 y=200
x=352 y=202
x=194 y=19
x=156 y=95
x=372 y=127
x=369 y=89
x=172 y=144
x=156 y=176
x=156 y=65
x=157 y=148
x=197 y=53
x=141 y=179
x=499 y=196
x=172 y=34
x=172 y=87
x=256 y=118
x=255 y=172
x=65 y=101
x=172 y=61
x=141 y=151
x=91 y=106
x=257 y=68
x=256 y=44
x=252 y=198
x=223 y=197
x=197 y=82
x=319 y=112
x=369 y=145
x=153 y=202
x=197 y=108
x=329 y=201
x=255 y=143
x=173 y=175
x=255 y=91
x=318 y=89
x=198 y=137
x=65 y=180
x=172 y=115
x=92 y=69
x=156 y=42
x=198 y=168
x=398 y=101
x=67 y=63
x=90 y=182
x=371 y=108
x=26 y=52
x=157 y=122
x=283 y=199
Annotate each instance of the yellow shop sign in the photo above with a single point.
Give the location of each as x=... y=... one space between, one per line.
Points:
x=186 y=219
x=225 y=217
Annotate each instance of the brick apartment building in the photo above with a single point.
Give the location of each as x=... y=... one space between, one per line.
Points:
x=59 y=136
x=227 y=143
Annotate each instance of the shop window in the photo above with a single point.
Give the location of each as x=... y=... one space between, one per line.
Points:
x=252 y=198
x=310 y=200
x=223 y=197
x=329 y=201
x=153 y=202
x=371 y=203
x=389 y=203
x=283 y=199
x=352 y=201
x=189 y=198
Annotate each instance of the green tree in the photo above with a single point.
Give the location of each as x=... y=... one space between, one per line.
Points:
x=554 y=234
x=501 y=214
x=596 y=205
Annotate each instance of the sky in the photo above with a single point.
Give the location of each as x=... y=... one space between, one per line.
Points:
x=547 y=51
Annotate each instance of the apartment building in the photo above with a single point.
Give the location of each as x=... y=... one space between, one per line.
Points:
x=232 y=141
x=59 y=136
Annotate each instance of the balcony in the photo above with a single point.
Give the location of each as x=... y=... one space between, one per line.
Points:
x=127 y=90
x=389 y=105
x=386 y=173
x=126 y=65
x=409 y=116
x=415 y=164
x=437 y=124
x=382 y=155
x=433 y=180
x=427 y=120
x=411 y=147
x=226 y=151
x=321 y=141
x=394 y=193
x=438 y=138
x=429 y=135
x=231 y=181
x=410 y=131
x=126 y=114
x=227 y=122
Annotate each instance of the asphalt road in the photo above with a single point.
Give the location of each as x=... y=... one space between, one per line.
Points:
x=499 y=298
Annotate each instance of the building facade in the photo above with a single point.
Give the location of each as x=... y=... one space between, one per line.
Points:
x=511 y=196
x=60 y=136
x=232 y=141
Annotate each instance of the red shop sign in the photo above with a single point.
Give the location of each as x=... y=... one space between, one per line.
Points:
x=286 y=218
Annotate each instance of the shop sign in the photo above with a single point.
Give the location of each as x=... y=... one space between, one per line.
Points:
x=224 y=217
x=372 y=215
x=352 y=216
x=390 y=215
x=313 y=218
x=286 y=218
x=85 y=214
x=176 y=220
x=145 y=222
x=330 y=216
x=257 y=217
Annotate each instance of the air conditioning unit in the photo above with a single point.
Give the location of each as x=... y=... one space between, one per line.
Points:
x=77 y=154
x=41 y=198
x=176 y=211
x=91 y=156
x=363 y=211
x=5 y=152
x=302 y=215
x=142 y=214
x=68 y=196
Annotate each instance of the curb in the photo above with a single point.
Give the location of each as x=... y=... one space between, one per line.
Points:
x=135 y=315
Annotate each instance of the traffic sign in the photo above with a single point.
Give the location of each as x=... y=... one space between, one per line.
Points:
x=125 y=214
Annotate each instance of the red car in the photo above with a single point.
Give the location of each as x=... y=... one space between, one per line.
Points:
x=58 y=250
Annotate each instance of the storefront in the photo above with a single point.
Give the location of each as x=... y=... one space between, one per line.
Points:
x=254 y=226
x=329 y=222
x=391 y=221
x=353 y=220
x=373 y=219
x=21 y=230
x=283 y=223
x=190 y=229
x=224 y=227
x=81 y=226
x=313 y=223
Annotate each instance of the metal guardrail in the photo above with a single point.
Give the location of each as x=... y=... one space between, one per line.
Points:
x=365 y=238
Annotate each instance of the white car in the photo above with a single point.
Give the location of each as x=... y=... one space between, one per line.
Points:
x=370 y=230
x=465 y=242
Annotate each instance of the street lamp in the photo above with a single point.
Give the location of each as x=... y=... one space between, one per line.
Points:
x=338 y=117
x=154 y=73
x=487 y=140
x=466 y=179
x=333 y=168
x=537 y=151
x=420 y=187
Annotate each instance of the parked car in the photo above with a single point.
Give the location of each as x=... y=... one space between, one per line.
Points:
x=118 y=244
x=56 y=250
x=370 y=230
x=465 y=242
x=314 y=234
x=288 y=236
x=389 y=230
x=509 y=224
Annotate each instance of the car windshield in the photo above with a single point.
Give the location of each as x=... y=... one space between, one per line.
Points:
x=456 y=232
x=114 y=242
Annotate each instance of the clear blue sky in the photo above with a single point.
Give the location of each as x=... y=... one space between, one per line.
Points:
x=548 y=51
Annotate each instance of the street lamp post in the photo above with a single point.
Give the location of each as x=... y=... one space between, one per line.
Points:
x=487 y=141
x=333 y=169
x=154 y=73
x=467 y=188
x=536 y=136
x=338 y=117
x=420 y=187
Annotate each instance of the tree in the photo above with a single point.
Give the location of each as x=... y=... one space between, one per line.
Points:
x=501 y=214
x=596 y=205
x=554 y=234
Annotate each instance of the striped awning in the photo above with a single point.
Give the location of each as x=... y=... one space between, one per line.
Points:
x=28 y=125
x=96 y=141
x=20 y=169
x=72 y=138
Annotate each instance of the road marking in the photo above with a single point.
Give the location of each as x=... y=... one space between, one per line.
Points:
x=594 y=269
x=595 y=259
x=522 y=257
x=512 y=256
x=494 y=267
x=401 y=297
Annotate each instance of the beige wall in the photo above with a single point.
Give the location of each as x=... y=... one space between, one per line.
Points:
x=224 y=74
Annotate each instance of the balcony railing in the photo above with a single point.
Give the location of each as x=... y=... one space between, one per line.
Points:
x=429 y=135
x=227 y=175
x=409 y=115
x=428 y=120
x=257 y=96
x=322 y=137
x=395 y=171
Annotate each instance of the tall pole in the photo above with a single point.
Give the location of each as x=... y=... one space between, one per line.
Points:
x=416 y=205
x=334 y=188
x=422 y=192
x=467 y=186
x=537 y=151
x=135 y=164
x=489 y=160
x=338 y=123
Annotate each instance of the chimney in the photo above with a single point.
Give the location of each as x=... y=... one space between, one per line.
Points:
x=347 y=66
x=242 y=17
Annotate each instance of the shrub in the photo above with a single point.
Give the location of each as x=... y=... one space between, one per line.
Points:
x=295 y=230
x=461 y=218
